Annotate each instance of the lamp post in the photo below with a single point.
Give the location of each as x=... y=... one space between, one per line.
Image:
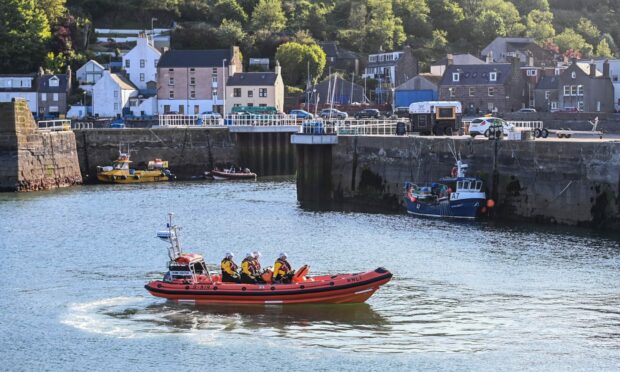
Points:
x=224 y=88
x=153 y=19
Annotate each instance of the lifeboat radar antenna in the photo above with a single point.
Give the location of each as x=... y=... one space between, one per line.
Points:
x=171 y=235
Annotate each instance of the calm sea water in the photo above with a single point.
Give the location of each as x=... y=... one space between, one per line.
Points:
x=464 y=296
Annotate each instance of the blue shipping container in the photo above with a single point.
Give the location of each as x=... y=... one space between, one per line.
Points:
x=403 y=98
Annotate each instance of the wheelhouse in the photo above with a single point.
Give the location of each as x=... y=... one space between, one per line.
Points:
x=469 y=185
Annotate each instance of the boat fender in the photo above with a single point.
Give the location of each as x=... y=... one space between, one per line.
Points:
x=490 y=203
x=299 y=275
x=454 y=172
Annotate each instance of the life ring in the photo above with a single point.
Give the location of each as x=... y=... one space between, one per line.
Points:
x=301 y=273
x=454 y=172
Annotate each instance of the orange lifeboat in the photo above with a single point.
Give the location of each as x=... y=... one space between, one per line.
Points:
x=188 y=280
x=340 y=288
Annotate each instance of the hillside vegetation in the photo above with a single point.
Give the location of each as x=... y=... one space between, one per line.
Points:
x=54 y=33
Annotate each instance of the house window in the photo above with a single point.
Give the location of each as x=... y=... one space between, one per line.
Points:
x=573 y=75
x=55 y=97
x=262 y=92
x=141 y=77
x=580 y=90
x=171 y=70
x=491 y=91
x=554 y=105
x=531 y=72
x=237 y=92
x=250 y=104
x=196 y=109
x=557 y=72
x=116 y=94
x=614 y=78
x=192 y=70
x=598 y=105
x=580 y=105
x=214 y=93
x=171 y=80
x=116 y=106
x=472 y=91
x=492 y=76
x=573 y=90
x=452 y=92
x=142 y=63
x=43 y=96
x=456 y=76
x=214 y=78
x=263 y=105
x=155 y=63
x=192 y=80
x=215 y=70
x=166 y=109
x=171 y=94
x=566 y=90
x=237 y=105
x=250 y=93
x=127 y=63
x=53 y=81
x=547 y=94
x=192 y=94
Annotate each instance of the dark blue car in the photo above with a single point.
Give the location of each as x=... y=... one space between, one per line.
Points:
x=302 y=114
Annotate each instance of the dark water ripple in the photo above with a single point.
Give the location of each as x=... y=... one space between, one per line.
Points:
x=464 y=297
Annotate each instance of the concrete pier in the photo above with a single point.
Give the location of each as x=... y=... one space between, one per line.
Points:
x=32 y=159
x=567 y=182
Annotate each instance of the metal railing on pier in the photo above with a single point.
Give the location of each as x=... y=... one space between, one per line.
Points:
x=54 y=125
x=82 y=125
x=350 y=127
x=177 y=120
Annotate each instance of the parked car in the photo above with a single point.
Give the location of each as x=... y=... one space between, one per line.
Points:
x=527 y=110
x=334 y=114
x=569 y=109
x=481 y=126
x=212 y=115
x=301 y=114
x=367 y=114
x=401 y=112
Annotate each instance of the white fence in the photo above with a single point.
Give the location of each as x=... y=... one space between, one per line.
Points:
x=350 y=127
x=527 y=124
x=178 y=120
x=54 y=125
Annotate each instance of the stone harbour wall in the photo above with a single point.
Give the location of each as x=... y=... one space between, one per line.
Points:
x=575 y=183
x=32 y=159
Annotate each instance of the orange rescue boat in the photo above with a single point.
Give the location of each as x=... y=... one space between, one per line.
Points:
x=188 y=280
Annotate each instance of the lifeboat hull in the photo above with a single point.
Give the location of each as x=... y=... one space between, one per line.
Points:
x=341 y=288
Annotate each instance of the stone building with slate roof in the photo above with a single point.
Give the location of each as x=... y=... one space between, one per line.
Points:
x=255 y=89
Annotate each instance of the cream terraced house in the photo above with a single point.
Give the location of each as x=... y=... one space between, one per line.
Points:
x=255 y=89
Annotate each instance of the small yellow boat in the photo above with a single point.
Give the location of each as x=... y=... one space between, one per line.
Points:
x=120 y=172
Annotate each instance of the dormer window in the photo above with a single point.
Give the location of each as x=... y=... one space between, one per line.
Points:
x=53 y=81
x=492 y=76
x=456 y=77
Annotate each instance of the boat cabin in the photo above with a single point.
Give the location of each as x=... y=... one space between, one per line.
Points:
x=469 y=185
x=186 y=267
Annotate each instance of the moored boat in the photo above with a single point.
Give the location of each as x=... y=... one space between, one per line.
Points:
x=120 y=171
x=457 y=196
x=231 y=173
x=188 y=280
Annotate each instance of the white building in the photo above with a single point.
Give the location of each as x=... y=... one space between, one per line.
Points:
x=19 y=86
x=111 y=94
x=89 y=73
x=140 y=106
x=140 y=63
x=614 y=75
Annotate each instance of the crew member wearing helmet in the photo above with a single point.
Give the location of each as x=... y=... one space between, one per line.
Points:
x=282 y=272
x=229 y=269
x=257 y=255
x=248 y=274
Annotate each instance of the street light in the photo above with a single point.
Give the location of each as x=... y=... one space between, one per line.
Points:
x=224 y=88
x=153 y=19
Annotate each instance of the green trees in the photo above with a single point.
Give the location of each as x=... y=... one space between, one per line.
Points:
x=24 y=30
x=603 y=49
x=571 y=40
x=268 y=16
x=540 y=25
x=294 y=58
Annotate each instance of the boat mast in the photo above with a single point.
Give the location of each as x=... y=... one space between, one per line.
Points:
x=171 y=236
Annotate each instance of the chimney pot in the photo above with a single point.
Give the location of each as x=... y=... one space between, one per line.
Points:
x=606 y=69
x=592 y=70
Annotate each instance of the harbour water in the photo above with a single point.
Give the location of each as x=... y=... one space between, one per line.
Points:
x=465 y=296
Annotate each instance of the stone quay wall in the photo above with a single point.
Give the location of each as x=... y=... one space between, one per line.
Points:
x=32 y=159
x=574 y=183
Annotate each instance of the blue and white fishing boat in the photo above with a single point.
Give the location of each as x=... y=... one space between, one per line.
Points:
x=457 y=196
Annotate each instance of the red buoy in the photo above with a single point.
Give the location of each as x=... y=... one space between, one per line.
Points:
x=490 y=203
